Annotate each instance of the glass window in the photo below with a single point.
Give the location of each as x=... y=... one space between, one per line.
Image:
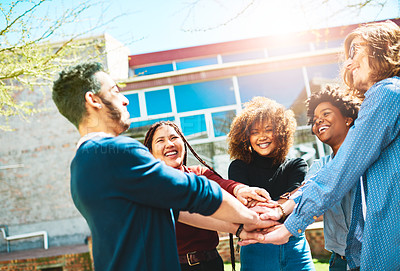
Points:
x=204 y=95
x=329 y=71
x=214 y=154
x=282 y=86
x=243 y=56
x=158 y=102
x=196 y=63
x=133 y=106
x=138 y=129
x=222 y=122
x=154 y=69
x=280 y=51
x=328 y=44
x=131 y=72
x=194 y=126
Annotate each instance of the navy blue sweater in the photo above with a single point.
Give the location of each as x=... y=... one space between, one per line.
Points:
x=126 y=197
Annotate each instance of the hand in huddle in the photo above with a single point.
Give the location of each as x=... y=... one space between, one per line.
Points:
x=250 y=196
x=276 y=235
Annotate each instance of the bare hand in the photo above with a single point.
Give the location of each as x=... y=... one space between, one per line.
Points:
x=260 y=225
x=246 y=194
x=265 y=211
x=255 y=236
x=276 y=235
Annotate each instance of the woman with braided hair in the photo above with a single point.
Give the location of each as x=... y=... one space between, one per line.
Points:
x=196 y=247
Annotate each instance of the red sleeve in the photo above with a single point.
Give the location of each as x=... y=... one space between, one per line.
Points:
x=227 y=185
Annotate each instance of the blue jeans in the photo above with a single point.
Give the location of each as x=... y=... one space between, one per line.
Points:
x=295 y=255
x=336 y=263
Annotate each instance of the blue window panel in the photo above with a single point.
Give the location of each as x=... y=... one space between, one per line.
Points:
x=196 y=63
x=222 y=122
x=204 y=95
x=329 y=44
x=138 y=129
x=279 y=51
x=154 y=69
x=193 y=124
x=158 y=102
x=147 y=123
x=283 y=86
x=243 y=56
x=133 y=106
x=329 y=71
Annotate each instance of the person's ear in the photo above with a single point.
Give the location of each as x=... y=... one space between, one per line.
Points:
x=93 y=100
x=349 y=121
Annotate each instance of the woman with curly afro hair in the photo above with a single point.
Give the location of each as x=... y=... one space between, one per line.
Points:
x=331 y=113
x=259 y=141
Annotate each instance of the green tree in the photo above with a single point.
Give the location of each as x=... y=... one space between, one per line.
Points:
x=29 y=61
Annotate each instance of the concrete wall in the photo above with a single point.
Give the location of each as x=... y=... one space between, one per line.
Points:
x=35 y=194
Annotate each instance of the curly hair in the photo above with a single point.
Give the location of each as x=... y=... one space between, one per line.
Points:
x=348 y=105
x=70 y=88
x=148 y=141
x=383 y=47
x=258 y=110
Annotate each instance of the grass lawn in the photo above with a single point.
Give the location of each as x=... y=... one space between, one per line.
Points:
x=321 y=264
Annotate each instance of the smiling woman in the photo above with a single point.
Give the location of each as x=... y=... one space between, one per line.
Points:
x=331 y=113
x=259 y=140
x=196 y=247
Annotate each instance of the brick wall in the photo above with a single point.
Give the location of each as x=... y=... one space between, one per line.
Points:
x=68 y=262
x=35 y=159
x=315 y=238
x=223 y=247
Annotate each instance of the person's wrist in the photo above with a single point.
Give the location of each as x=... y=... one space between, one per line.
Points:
x=237 y=188
x=283 y=217
x=239 y=230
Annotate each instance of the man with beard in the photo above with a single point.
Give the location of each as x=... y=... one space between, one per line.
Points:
x=123 y=192
x=371 y=151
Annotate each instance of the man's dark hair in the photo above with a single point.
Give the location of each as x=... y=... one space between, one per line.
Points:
x=347 y=104
x=70 y=88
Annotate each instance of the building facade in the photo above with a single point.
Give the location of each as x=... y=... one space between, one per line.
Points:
x=200 y=88
x=35 y=158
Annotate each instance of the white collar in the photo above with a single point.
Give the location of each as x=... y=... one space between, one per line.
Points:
x=90 y=136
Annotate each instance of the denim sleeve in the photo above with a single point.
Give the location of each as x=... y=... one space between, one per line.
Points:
x=315 y=167
x=375 y=128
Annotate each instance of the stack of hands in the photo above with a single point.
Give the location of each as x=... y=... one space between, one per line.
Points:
x=268 y=228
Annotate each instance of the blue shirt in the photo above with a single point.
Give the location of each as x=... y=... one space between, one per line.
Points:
x=336 y=219
x=372 y=146
x=126 y=197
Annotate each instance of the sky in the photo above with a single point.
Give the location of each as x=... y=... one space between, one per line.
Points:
x=155 y=25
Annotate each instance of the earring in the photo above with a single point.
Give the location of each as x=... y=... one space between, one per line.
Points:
x=347 y=124
x=100 y=106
